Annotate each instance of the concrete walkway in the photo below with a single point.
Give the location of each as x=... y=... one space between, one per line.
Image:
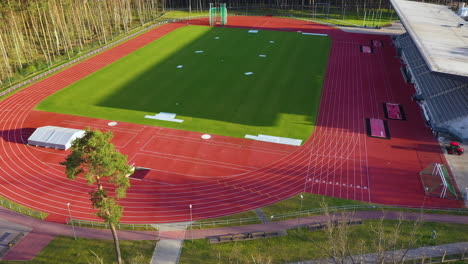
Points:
x=395 y=256
x=43 y=231
x=395 y=29
x=167 y=251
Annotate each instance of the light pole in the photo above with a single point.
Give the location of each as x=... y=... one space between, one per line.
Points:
x=300 y=209
x=73 y=225
x=191 y=227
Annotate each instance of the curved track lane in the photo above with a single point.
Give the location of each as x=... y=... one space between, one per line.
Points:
x=227 y=175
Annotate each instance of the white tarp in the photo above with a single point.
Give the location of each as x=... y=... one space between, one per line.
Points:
x=54 y=137
x=165 y=117
x=274 y=139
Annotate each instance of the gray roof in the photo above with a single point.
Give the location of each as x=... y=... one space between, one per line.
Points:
x=446 y=96
x=434 y=29
x=54 y=137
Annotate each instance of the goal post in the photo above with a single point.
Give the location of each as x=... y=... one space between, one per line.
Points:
x=218 y=14
x=436 y=182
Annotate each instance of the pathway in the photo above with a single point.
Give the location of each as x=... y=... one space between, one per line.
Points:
x=45 y=229
x=167 y=251
x=394 y=256
x=395 y=29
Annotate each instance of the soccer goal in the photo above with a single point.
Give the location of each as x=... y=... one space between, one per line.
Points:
x=436 y=182
x=218 y=14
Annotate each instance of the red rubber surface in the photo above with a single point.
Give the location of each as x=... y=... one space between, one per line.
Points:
x=377 y=128
x=226 y=175
x=393 y=111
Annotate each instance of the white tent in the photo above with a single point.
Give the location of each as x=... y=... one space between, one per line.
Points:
x=54 y=137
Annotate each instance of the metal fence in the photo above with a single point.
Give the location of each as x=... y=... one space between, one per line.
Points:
x=227 y=222
x=344 y=208
x=89 y=54
x=21 y=209
x=101 y=225
x=277 y=217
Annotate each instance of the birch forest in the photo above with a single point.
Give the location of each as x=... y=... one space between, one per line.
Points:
x=37 y=34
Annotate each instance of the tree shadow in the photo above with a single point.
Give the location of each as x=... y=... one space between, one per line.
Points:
x=238 y=102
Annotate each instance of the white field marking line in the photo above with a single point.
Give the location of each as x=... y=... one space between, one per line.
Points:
x=330 y=133
x=356 y=127
x=366 y=159
x=196 y=161
x=328 y=86
x=339 y=85
x=222 y=143
x=15 y=135
x=48 y=151
x=135 y=133
x=21 y=151
x=335 y=141
x=144 y=150
x=119 y=128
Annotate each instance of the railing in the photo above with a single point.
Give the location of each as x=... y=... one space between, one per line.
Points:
x=319 y=211
x=101 y=225
x=89 y=54
x=277 y=217
x=21 y=209
x=227 y=222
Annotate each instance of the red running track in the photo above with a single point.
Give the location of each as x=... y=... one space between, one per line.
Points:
x=226 y=175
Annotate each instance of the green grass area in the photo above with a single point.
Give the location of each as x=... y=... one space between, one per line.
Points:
x=302 y=245
x=310 y=201
x=351 y=18
x=64 y=249
x=22 y=209
x=244 y=218
x=175 y=14
x=210 y=93
x=314 y=203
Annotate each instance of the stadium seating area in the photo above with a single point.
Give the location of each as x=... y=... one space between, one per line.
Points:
x=445 y=96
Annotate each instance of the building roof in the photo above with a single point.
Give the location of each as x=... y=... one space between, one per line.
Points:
x=54 y=137
x=435 y=31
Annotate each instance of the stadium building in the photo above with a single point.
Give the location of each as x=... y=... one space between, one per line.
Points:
x=434 y=50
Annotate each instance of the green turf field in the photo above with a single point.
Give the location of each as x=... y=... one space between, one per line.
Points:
x=210 y=93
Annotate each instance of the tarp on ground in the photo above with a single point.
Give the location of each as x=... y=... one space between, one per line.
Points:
x=54 y=137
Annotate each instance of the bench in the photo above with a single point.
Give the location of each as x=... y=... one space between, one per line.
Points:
x=224 y=238
x=335 y=223
x=245 y=236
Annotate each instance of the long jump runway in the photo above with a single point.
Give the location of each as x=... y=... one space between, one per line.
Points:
x=225 y=175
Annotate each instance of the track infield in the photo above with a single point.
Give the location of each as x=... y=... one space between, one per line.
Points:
x=199 y=73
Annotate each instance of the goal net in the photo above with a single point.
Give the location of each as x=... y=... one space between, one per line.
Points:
x=436 y=182
x=218 y=14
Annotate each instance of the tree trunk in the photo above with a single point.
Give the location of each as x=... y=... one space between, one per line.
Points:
x=116 y=243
